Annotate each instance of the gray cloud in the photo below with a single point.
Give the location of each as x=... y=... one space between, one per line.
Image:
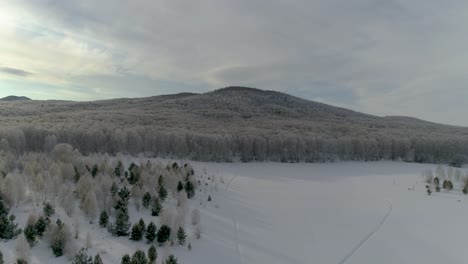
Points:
x=16 y=72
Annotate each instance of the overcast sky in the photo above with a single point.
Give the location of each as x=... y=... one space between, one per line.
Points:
x=383 y=57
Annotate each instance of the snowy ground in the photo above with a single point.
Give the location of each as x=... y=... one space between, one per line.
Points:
x=337 y=213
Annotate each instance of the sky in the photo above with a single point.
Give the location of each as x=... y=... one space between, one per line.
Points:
x=383 y=57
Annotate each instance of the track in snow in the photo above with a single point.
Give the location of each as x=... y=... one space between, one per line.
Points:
x=236 y=227
x=367 y=238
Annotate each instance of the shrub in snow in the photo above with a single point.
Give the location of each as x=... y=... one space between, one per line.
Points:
x=40 y=226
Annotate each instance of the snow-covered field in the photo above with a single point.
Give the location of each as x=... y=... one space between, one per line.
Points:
x=274 y=213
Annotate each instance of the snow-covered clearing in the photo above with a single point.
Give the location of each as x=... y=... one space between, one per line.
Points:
x=274 y=213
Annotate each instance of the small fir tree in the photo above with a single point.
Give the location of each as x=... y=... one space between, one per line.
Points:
x=151 y=232
x=146 y=200
x=181 y=236
x=152 y=254
x=163 y=235
x=126 y=259
x=156 y=207
x=103 y=219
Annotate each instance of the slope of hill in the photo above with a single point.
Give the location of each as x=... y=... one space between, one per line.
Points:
x=15 y=98
x=231 y=123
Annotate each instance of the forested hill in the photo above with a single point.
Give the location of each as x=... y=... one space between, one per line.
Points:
x=228 y=124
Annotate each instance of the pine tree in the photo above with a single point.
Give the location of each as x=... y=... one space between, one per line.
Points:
x=139 y=257
x=59 y=239
x=114 y=189
x=40 y=226
x=82 y=258
x=124 y=194
x=48 y=210
x=97 y=259
x=137 y=232
x=163 y=235
x=180 y=186
x=8 y=227
x=152 y=254
x=103 y=219
x=189 y=247
x=156 y=207
x=142 y=224
x=181 y=236
x=151 y=232
x=126 y=259
x=162 y=193
x=209 y=198
x=171 y=260
x=146 y=200
x=94 y=170
x=21 y=261
x=1 y=258
x=30 y=233
x=122 y=223
x=189 y=189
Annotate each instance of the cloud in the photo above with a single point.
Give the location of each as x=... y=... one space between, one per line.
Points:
x=16 y=72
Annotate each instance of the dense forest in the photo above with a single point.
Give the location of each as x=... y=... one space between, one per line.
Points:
x=230 y=124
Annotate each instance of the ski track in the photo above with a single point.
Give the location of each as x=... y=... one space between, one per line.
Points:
x=236 y=227
x=364 y=241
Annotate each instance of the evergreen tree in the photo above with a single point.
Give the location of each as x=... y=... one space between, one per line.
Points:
x=95 y=170
x=209 y=198
x=162 y=192
x=180 y=186
x=189 y=189
x=21 y=261
x=103 y=219
x=156 y=207
x=114 y=189
x=122 y=223
x=48 y=210
x=151 y=232
x=1 y=258
x=30 y=233
x=142 y=224
x=126 y=259
x=189 y=247
x=40 y=226
x=171 y=260
x=437 y=188
x=59 y=239
x=77 y=175
x=97 y=259
x=82 y=258
x=160 y=180
x=152 y=254
x=429 y=192
x=163 y=235
x=8 y=228
x=139 y=257
x=181 y=236
x=124 y=194
x=146 y=200
x=137 y=232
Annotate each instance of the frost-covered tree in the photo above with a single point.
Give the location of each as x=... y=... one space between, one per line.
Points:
x=59 y=238
x=90 y=206
x=22 y=249
x=30 y=231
